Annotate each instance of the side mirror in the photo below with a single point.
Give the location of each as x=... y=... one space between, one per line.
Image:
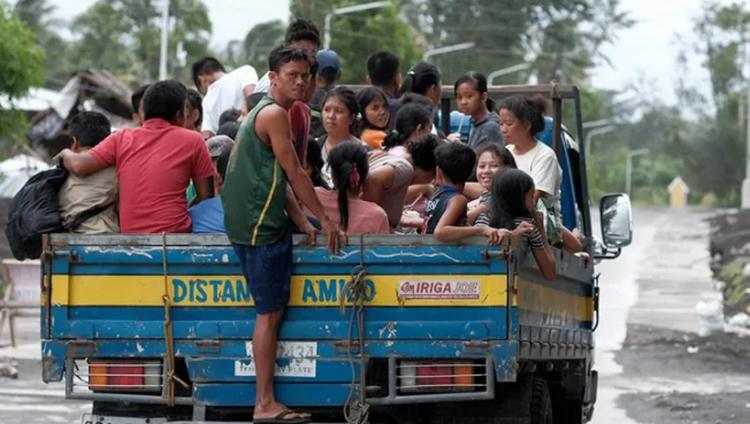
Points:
x=617 y=220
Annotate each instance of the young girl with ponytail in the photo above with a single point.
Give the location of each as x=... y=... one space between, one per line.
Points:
x=407 y=158
x=349 y=170
x=473 y=100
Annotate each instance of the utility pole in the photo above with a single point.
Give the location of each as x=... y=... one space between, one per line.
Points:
x=595 y=132
x=745 y=202
x=447 y=49
x=746 y=181
x=505 y=71
x=629 y=168
x=164 y=41
x=345 y=10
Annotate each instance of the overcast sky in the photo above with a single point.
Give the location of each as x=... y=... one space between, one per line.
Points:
x=645 y=53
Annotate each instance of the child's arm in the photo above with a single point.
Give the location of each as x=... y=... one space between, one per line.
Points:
x=294 y=212
x=473 y=190
x=446 y=229
x=545 y=260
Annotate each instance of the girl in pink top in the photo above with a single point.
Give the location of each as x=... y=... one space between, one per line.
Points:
x=349 y=168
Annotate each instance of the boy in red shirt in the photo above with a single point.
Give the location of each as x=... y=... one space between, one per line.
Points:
x=154 y=163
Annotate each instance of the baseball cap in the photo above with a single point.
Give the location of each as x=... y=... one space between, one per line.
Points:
x=217 y=144
x=328 y=58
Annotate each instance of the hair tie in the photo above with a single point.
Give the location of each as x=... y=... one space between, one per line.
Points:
x=354 y=177
x=358 y=116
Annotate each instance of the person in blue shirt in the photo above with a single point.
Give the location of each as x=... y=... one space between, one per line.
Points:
x=208 y=215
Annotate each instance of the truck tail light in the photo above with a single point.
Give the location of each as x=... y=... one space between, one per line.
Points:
x=464 y=376
x=124 y=376
x=434 y=375
x=439 y=376
x=408 y=374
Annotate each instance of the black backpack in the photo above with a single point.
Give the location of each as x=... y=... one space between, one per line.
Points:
x=35 y=211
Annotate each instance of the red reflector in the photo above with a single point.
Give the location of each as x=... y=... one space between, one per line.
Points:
x=124 y=377
x=434 y=375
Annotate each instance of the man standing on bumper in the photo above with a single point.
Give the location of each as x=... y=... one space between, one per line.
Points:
x=258 y=209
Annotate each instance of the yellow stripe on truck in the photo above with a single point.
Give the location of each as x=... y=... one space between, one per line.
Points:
x=541 y=298
x=313 y=290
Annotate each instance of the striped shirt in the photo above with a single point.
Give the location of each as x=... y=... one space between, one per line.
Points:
x=534 y=237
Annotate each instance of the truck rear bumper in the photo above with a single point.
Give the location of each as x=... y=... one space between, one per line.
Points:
x=213 y=370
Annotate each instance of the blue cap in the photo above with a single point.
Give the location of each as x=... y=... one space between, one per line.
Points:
x=328 y=58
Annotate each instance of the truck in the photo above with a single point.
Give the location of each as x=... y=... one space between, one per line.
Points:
x=393 y=328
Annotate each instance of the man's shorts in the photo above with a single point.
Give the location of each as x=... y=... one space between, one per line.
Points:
x=268 y=271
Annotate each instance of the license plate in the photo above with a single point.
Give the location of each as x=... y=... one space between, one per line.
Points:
x=293 y=359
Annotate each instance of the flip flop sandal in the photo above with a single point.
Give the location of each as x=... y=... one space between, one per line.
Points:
x=284 y=417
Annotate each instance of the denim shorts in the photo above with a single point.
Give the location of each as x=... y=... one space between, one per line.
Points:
x=268 y=271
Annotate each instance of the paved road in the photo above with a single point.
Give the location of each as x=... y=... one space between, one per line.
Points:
x=27 y=400
x=653 y=365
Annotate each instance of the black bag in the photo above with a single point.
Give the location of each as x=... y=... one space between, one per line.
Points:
x=35 y=211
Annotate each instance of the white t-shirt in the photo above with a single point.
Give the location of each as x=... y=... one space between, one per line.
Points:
x=226 y=93
x=541 y=164
x=263 y=84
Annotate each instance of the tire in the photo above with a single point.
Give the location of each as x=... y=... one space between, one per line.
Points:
x=540 y=407
x=569 y=411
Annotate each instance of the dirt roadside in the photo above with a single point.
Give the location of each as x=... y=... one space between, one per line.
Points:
x=689 y=379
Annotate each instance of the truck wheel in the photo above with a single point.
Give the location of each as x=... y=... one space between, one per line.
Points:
x=569 y=411
x=540 y=407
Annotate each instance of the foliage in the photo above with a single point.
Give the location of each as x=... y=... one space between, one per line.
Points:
x=123 y=36
x=561 y=38
x=713 y=149
x=37 y=15
x=259 y=42
x=736 y=286
x=356 y=36
x=20 y=69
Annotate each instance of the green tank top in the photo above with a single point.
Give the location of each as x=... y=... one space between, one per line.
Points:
x=254 y=191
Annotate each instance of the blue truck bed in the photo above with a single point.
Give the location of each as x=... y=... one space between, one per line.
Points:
x=181 y=302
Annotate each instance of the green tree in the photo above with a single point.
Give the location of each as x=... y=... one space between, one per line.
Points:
x=561 y=38
x=20 y=69
x=496 y=27
x=123 y=36
x=259 y=42
x=356 y=36
x=37 y=15
x=713 y=147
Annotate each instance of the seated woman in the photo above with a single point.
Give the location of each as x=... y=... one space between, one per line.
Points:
x=373 y=104
x=521 y=118
x=407 y=158
x=349 y=169
x=339 y=116
x=491 y=158
x=512 y=207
